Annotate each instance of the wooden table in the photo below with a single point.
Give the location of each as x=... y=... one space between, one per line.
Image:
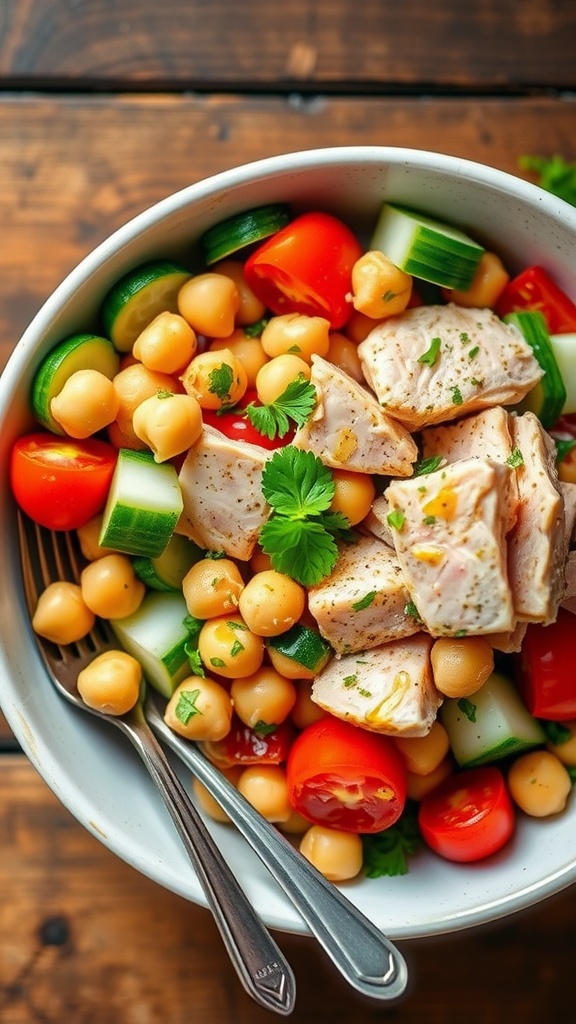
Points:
x=105 y=107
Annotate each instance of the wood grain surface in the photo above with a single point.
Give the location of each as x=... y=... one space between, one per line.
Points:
x=107 y=106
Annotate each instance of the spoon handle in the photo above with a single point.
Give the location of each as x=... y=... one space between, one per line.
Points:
x=260 y=964
x=365 y=957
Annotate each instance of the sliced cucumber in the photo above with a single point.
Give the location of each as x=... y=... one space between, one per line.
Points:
x=243 y=229
x=79 y=352
x=143 y=506
x=140 y=296
x=426 y=248
x=490 y=724
x=564 y=349
x=302 y=645
x=548 y=398
x=157 y=636
x=167 y=571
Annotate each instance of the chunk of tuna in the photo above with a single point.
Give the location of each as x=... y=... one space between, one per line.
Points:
x=221 y=483
x=347 y=429
x=434 y=364
x=450 y=541
x=388 y=689
x=376 y=522
x=538 y=545
x=362 y=604
x=485 y=434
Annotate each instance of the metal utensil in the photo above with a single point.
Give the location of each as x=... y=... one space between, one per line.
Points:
x=260 y=964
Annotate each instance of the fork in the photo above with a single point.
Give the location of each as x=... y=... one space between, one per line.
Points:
x=260 y=965
x=369 y=961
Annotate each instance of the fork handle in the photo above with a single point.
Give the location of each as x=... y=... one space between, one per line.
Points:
x=260 y=964
x=369 y=961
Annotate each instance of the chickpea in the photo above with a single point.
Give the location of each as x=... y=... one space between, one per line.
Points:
x=305 y=711
x=423 y=754
x=210 y=302
x=461 y=665
x=167 y=344
x=353 y=494
x=110 y=587
x=250 y=308
x=295 y=333
x=169 y=424
x=337 y=855
x=111 y=683
x=275 y=376
x=271 y=603
x=227 y=646
x=358 y=326
x=265 y=787
x=379 y=288
x=215 y=379
x=124 y=438
x=199 y=709
x=343 y=352
x=539 y=783
x=259 y=562
x=265 y=697
x=489 y=281
x=207 y=802
x=212 y=587
x=295 y=825
x=565 y=747
x=89 y=539
x=86 y=404
x=418 y=786
x=133 y=385
x=247 y=350
x=61 y=614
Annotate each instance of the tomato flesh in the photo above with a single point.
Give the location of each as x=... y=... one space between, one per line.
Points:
x=235 y=425
x=534 y=289
x=306 y=268
x=545 y=669
x=469 y=816
x=345 y=777
x=244 y=746
x=61 y=483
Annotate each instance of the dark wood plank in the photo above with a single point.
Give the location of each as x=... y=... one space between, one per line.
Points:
x=84 y=938
x=72 y=169
x=311 y=43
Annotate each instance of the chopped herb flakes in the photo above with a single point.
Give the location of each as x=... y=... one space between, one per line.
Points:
x=429 y=357
x=220 y=381
x=396 y=519
x=473 y=352
x=387 y=852
x=467 y=708
x=457 y=395
x=186 y=706
x=364 y=602
x=515 y=458
x=430 y=465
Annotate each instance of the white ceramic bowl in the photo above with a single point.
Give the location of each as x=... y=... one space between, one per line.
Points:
x=87 y=764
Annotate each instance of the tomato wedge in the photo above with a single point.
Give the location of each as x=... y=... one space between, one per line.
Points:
x=545 y=669
x=306 y=267
x=534 y=289
x=469 y=816
x=347 y=778
x=244 y=746
x=235 y=425
x=61 y=483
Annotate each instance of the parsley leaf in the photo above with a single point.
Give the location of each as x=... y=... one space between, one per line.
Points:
x=396 y=519
x=296 y=483
x=467 y=708
x=295 y=403
x=387 y=852
x=186 y=707
x=554 y=175
x=430 y=356
x=364 y=602
x=430 y=465
x=515 y=459
x=300 y=548
x=220 y=381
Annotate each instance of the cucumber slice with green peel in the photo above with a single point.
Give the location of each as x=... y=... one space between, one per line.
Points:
x=491 y=724
x=548 y=398
x=167 y=571
x=157 y=635
x=426 y=248
x=78 y=352
x=303 y=645
x=564 y=349
x=143 y=507
x=140 y=296
x=242 y=230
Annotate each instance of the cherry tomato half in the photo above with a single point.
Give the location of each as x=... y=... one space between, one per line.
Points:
x=244 y=746
x=533 y=288
x=545 y=669
x=61 y=483
x=235 y=425
x=306 y=267
x=468 y=816
x=345 y=777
